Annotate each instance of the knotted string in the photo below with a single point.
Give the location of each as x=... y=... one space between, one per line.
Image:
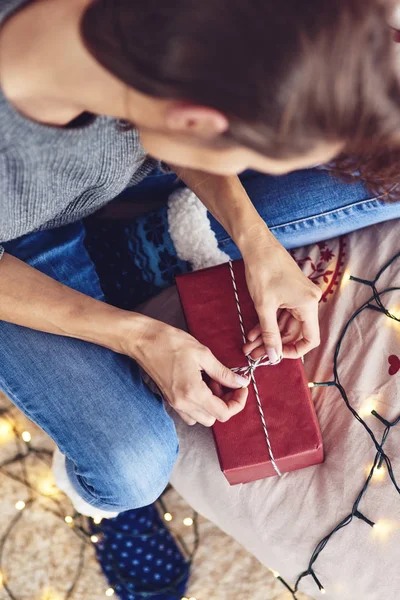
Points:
x=250 y=369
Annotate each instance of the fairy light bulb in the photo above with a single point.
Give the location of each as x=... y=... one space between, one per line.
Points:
x=368 y=406
x=6 y=430
x=20 y=505
x=275 y=573
x=50 y=594
x=26 y=436
x=188 y=521
x=97 y=520
x=110 y=592
x=47 y=487
x=94 y=539
x=311 y=384
x=323 y=590
x=379 y=473
x=395 y=311
x=68 y=519
x=383 y=528
x=167 y=516
x=345 y=279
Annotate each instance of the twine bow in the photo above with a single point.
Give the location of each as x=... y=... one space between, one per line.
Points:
x=253 y=365
x=249 y=370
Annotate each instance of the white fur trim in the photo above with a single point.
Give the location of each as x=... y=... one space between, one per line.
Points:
x=63 y=482
x=191 y=231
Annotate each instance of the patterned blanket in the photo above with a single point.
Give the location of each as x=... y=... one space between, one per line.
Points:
x=281 y=520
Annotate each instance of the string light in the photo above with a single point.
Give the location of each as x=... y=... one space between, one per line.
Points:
x=275 y=574
x=47 y=487
x=6 y=430
x=369 y=405
x=50 y=594
x=383 y=528
x=80 y=528
x=26 y=436
x=379 y=473
x=395 y=311
x=78 y=523
x=345 y=279
x=168 y=516
x=188 y=521
x=373 y=303
x=94 y=539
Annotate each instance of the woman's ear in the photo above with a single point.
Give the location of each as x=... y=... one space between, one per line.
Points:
x=201 y=121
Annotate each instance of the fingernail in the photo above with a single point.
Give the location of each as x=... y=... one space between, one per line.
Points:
x=242 y=381
x=273 y=355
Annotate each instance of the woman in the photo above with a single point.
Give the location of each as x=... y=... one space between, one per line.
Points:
x=215 y=88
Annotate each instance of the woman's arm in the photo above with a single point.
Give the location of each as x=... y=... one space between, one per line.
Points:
x=275 y=282
x=32 y=299
x=226 y=199
x=172 y=358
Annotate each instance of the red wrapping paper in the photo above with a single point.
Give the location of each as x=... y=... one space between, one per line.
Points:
x=211 y=312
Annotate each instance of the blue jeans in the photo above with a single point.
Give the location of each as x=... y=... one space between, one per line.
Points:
x=119 y=441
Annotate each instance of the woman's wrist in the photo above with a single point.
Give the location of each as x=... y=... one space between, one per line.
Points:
x=254 y=236
x=108 y=326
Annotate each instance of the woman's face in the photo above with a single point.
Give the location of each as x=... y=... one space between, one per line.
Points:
x=186 y=135
x=196 y=154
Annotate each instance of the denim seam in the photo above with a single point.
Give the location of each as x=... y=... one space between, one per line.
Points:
x=317 y=216
x=326 y=213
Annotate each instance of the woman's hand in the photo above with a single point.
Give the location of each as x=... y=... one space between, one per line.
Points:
x=177 y=363
x=285 y=299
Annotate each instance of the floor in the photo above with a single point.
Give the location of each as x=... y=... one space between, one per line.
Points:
x=40 y=557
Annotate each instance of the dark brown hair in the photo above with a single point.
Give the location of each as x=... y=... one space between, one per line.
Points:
x=288 y=75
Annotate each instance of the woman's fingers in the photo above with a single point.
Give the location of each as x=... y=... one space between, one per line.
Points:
x=251 y=346
x=298 y=336
x=225 y=406
x=218 y=372
x=270 y=331
x=254 y=333
x=210 y=408
x=283 y=319
x=293 y=331
x=255 y=338
x=310 y=337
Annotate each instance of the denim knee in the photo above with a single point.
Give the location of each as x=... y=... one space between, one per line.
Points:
x=140 y=484
x=132 y=473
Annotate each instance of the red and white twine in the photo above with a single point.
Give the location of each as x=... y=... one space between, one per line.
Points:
x=252 y=365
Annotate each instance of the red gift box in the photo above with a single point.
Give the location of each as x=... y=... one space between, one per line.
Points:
x=248 y=450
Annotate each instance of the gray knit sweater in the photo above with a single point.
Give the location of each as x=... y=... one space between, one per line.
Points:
x=52 y=176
